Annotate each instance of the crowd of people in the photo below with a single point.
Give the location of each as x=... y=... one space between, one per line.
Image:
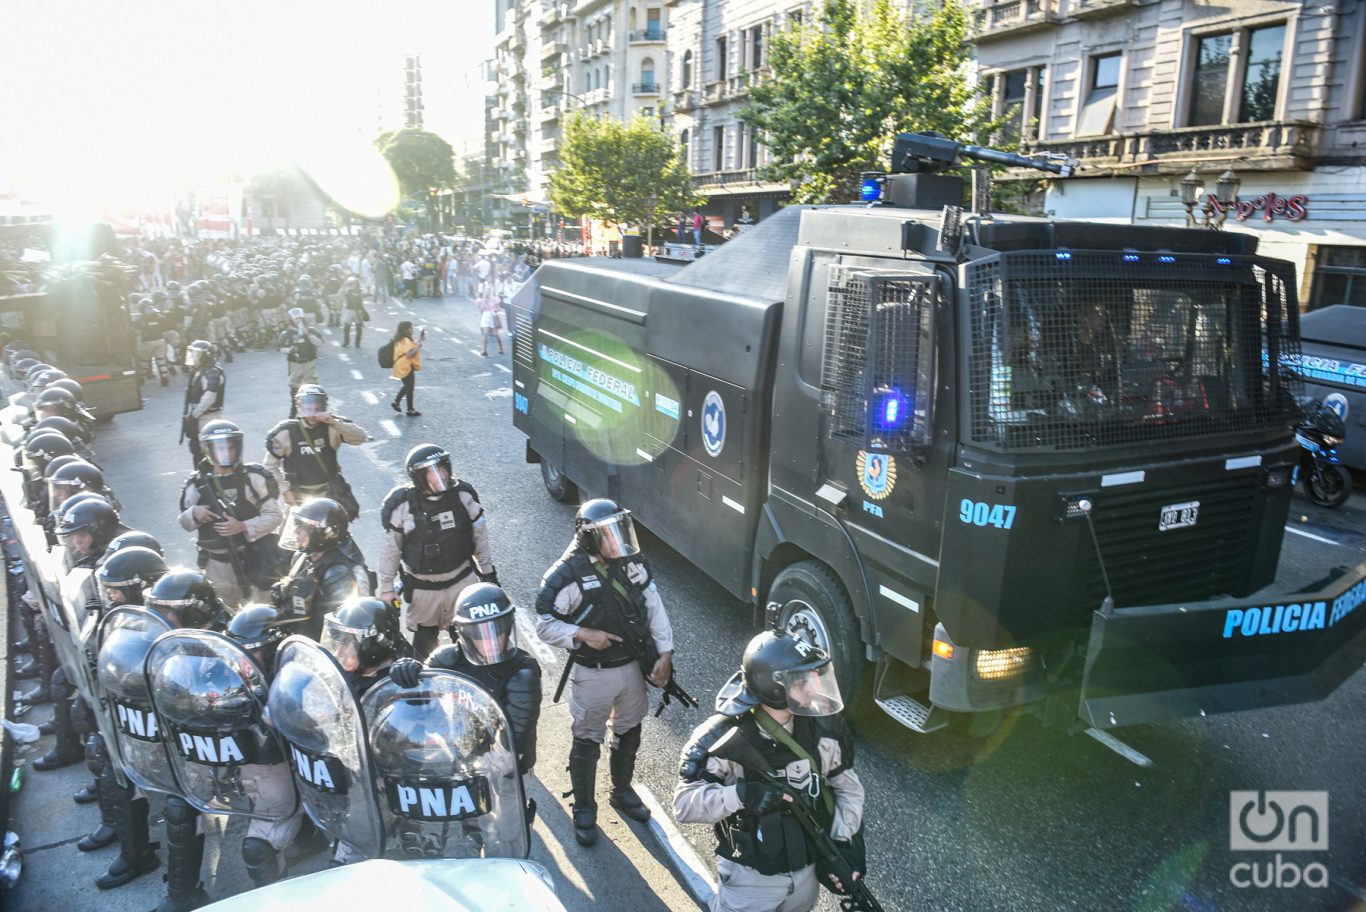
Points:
x=276 y=557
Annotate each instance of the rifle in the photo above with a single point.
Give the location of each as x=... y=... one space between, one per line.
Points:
x=646 y=658
x=858 y=898
x=221 y=507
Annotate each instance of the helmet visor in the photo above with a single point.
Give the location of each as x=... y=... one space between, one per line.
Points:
x=311 y=405
x=224 y=453
x=121 y=594
x=192 y=356
x=58 y=492
x=616 y=536
x=811 y=691
x=79 y=543
x=488 y=642
x=299 y=533
x=343 y=642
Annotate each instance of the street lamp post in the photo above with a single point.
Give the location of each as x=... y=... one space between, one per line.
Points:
x=1225 y=195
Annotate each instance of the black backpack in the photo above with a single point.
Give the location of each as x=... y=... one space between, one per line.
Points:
x=386 y=354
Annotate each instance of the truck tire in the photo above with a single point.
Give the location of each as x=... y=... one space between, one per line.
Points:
x=815 y=607
x=556 y=484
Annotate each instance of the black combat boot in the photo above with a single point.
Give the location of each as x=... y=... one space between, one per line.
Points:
x=184 y=858
x=68 y=749
x=346 y=336
x=583 y=774
x=137 y=854
x=623 y=768
x=95 y=758
x=360 y=328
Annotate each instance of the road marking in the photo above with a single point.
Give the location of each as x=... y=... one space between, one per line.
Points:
x=548 y=657
x=390 y=428
x=484 y=374
x=502 y=392
x=1317 y=538
x=369 y=397
x=476 y=352
x=504 y=368
x=696 y=876
x=356 y=375
x=337 y=343
x=343 y=356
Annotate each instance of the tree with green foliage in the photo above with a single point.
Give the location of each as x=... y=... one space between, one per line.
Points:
x=844 y=85
x=420 y=160
x=625 y=173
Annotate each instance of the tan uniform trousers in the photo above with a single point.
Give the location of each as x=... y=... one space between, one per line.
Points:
x=301 y=372
x=226 y=587
x=743 y=889
x=275 y=794
x=601 y=695
x=436 y=607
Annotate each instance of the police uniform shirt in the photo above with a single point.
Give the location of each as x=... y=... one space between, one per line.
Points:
x=269 y=516
x=212 y=382
x=391 y=546
x=279 y=446
x=715 y=795
x=568 y=600
x=295 y=337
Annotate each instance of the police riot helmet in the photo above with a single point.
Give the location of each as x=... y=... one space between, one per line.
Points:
x=33 y=370
x=305 y=280
x=70 y=479
x=484 y=618
x=54 y=401
x=185 y=597
x=317 y=523
x=296 y=314
x=221 y=441
x=145 y=303
x=19 y=366
x=71 y=386
x=42 y=447
x=43 y=379
x=783 y=671
x=258 y=629
x=159 y=298
x=82 y=497
x=173 y=287
x=198 y=354
x=127 y=572
x=92 y=517
x=136 y=539
x=362 y=633
x=310 y=399
x=429 y=467
x=603 y=526
x=64 y=426
x=60 y=461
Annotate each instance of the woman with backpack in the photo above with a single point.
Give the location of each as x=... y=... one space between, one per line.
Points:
x=407 y=355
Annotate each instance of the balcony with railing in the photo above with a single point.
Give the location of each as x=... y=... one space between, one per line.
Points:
x=550 y=113
x=1270 y=146
x=1014 y=16
x=645 y=88
x=551 y=49
x=685 y=100
x=714 y=92
x=1095 y=9
x=648 y=36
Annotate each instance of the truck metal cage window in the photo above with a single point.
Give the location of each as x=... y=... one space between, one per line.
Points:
x=877 y=377
x=1075 y=349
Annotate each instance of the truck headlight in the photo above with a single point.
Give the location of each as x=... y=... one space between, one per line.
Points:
x=998 y=664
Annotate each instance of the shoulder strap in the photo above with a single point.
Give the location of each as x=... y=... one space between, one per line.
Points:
x=778 y=733
x=272 y=486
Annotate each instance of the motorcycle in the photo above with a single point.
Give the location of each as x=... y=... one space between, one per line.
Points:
x=1326 y=481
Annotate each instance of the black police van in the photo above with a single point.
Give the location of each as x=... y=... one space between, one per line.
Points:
x=990 y=463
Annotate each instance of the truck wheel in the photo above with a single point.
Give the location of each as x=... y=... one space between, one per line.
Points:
x=815 y=608
x=556 y=485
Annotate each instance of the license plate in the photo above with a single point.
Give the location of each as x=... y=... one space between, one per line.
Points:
x=1179 y=516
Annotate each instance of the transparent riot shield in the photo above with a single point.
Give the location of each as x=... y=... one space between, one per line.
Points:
x=73 y=639
x=124 y=638
x=210 y=696
x=445 y=767
x=312 y=708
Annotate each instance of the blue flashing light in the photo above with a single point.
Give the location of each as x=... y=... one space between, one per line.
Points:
x=870 y=188
x=1063 y=255
x=1223 y=261
x=891 y=410
x=1166 y=259
x=1131 y=258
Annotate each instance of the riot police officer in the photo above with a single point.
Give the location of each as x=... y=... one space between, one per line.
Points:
x=259 y=630
x=185 y=598
x=203 y=394
x=777 y=739
x=125 y=575
x=600 y=602
x=302 y=452
x=353 y=310
x=482 y=647
x=228 y=503
x=301 y=343
x=363 y=634
x=435 y=543
x=328 y=569
x=151 y=327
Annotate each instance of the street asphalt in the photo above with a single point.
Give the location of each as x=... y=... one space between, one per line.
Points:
x=1027 y=818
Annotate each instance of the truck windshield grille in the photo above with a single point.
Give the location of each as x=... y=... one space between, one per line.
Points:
x=1075 y=349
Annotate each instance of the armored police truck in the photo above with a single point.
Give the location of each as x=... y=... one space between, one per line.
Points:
x=990 y=463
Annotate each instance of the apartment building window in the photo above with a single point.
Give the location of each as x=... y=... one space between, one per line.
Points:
x=794 y=18
x=684 y=150
x=687 y=70
x=756 y=47
x=647 y=75
x=1237 y=76
x=753 y=153
x=720 y=58
x=653 y=29
x=718 y=148
x=1019 y=99
x=1098 y=112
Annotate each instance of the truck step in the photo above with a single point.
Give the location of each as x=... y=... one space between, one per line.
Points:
x=913 y=714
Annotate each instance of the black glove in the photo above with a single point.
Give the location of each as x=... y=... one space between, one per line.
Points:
x=405 y=672
x=760 y=798
x=490 y=577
